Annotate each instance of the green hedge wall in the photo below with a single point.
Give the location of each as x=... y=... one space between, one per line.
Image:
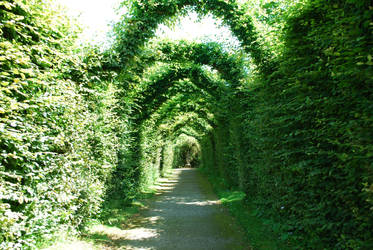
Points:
x=58 y=126
x=295 y=136
x=299 y=141
x=308 y=129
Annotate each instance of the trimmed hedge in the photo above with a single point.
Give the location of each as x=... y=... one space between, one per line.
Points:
x=295 y=135
x=309 y=129
x=58 y=126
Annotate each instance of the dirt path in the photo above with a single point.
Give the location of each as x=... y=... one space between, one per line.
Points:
x=187 y=215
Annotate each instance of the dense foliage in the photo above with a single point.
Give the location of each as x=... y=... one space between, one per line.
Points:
x=288 y=120
x=297 y=133
x=312 y=140
x=58 y=127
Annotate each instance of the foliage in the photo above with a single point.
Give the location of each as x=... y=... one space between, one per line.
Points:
x=295 y=134
x=292 y=134
x=308 y=149
x=144 y=17
x=58 y=126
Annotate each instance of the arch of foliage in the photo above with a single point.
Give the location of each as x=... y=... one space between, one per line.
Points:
x=150 y=93
x=196 y=104
x=300 y=148
x=161 y=86
x=143 y=18
x=153 y=93
x=199 y=103
x=187 y=151
x=159 y=141
x=298 y=136
x=191 y=118
x=230 y=66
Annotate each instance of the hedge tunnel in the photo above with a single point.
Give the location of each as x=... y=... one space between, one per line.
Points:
x=286 y=120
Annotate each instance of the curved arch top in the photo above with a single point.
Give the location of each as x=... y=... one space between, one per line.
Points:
x=145 y=16
x=153 y=94
x=181 y=103
x=195 y=121
x=229 y=66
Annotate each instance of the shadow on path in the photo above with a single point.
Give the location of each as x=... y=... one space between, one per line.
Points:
x=185 y=215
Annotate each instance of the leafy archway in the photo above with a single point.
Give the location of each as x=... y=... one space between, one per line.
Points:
x=296 y=138
x=230 y=66
x=153 y=93
x=188 y=80
x=139 y=24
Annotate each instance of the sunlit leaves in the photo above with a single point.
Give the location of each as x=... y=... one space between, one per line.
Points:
x=55 y=134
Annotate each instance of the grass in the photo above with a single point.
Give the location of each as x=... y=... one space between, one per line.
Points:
x=258 y=232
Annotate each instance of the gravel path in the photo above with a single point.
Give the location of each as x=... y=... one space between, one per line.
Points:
x=186 y=215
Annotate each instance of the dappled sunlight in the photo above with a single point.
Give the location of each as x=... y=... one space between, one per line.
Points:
x=164 y=188
x=74 y=245
x=200 y=203
x=166 y=184
x=125 y=234
x=180 y=216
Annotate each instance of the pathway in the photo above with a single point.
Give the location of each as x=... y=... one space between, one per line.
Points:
x=186 y=215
